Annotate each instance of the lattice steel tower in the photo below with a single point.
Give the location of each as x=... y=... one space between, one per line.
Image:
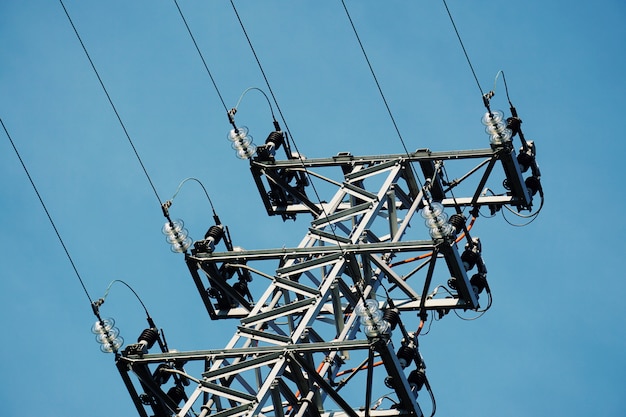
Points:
x=336 y=328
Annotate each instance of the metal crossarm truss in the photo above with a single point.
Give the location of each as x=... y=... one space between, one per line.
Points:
x=299 y=349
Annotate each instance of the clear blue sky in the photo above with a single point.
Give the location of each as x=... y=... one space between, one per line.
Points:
x=553 y=342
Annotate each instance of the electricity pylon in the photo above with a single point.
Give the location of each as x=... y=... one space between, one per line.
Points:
x=335 y=330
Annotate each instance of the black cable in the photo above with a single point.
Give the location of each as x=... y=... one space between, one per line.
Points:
x=432 y=396
x=111 y=102
x=206 y=193
x=380 y=90
x=463 y=47
x=258 y=61
x=506 y=89
x=67 y=253
x=206 y=67
x=532 y=216
x=106 y=293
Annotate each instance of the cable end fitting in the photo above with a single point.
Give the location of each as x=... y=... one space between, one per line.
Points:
x=231 y=116
x=95 y=306
x=165 y=207
x=487 y=97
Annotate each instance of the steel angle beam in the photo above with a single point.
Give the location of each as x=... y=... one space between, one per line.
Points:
x=394 y=278
x=276 y=312
x=219 y=354
x=227 y=393
x=359 y=192
x=451 y=303
x=350 y=161
x=342 y=214
x=230 y=412
x=296 y=287
x=264 y=336
x=242 y=366
x=482 y=200
x=328 y=237
x=314 y=251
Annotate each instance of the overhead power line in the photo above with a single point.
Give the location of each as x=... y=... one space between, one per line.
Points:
x=206 y=66
x=119 y=118
x=369 y=64
x=45 y=209
x=463 y=47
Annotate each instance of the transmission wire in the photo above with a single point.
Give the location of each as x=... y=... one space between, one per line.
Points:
x=119 y=118
x=380 y=90
x=463 y=47
x=206 y=67
x=56 y=231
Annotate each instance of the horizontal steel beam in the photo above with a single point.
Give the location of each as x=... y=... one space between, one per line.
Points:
x=291 y=253
x=217 y=354
x=419 y=155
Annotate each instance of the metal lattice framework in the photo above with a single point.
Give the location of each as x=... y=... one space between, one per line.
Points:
x=300 y=348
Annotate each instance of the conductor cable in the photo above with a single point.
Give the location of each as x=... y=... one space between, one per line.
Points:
x=119 y=118
x=45 y=209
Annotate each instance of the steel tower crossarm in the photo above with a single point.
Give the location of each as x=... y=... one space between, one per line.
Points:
x=300 y=347
x=341 y=262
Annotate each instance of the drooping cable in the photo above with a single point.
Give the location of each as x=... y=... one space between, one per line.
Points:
x=532 y=217
x=206 y=67
x=203 y=188
x=119 y=118
x=264 y=95
x=506 y=87
x=106 y=293
x=480 y=312
x=45 y=209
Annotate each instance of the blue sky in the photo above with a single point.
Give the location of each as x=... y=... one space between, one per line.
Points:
x=553 y=342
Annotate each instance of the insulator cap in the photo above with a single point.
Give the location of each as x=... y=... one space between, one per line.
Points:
x=469 y=258
x=525 y=161
x=276 y=138
x=176 y=393
x=149 y=336
x=216 y=232
x=392 y=315
x=457 y=221
x=416 y=379
x=533 y=184
x=478 y=282
x=241 y=287
x=405 y=355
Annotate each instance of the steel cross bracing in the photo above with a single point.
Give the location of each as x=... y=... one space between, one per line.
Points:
x=299 y=349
